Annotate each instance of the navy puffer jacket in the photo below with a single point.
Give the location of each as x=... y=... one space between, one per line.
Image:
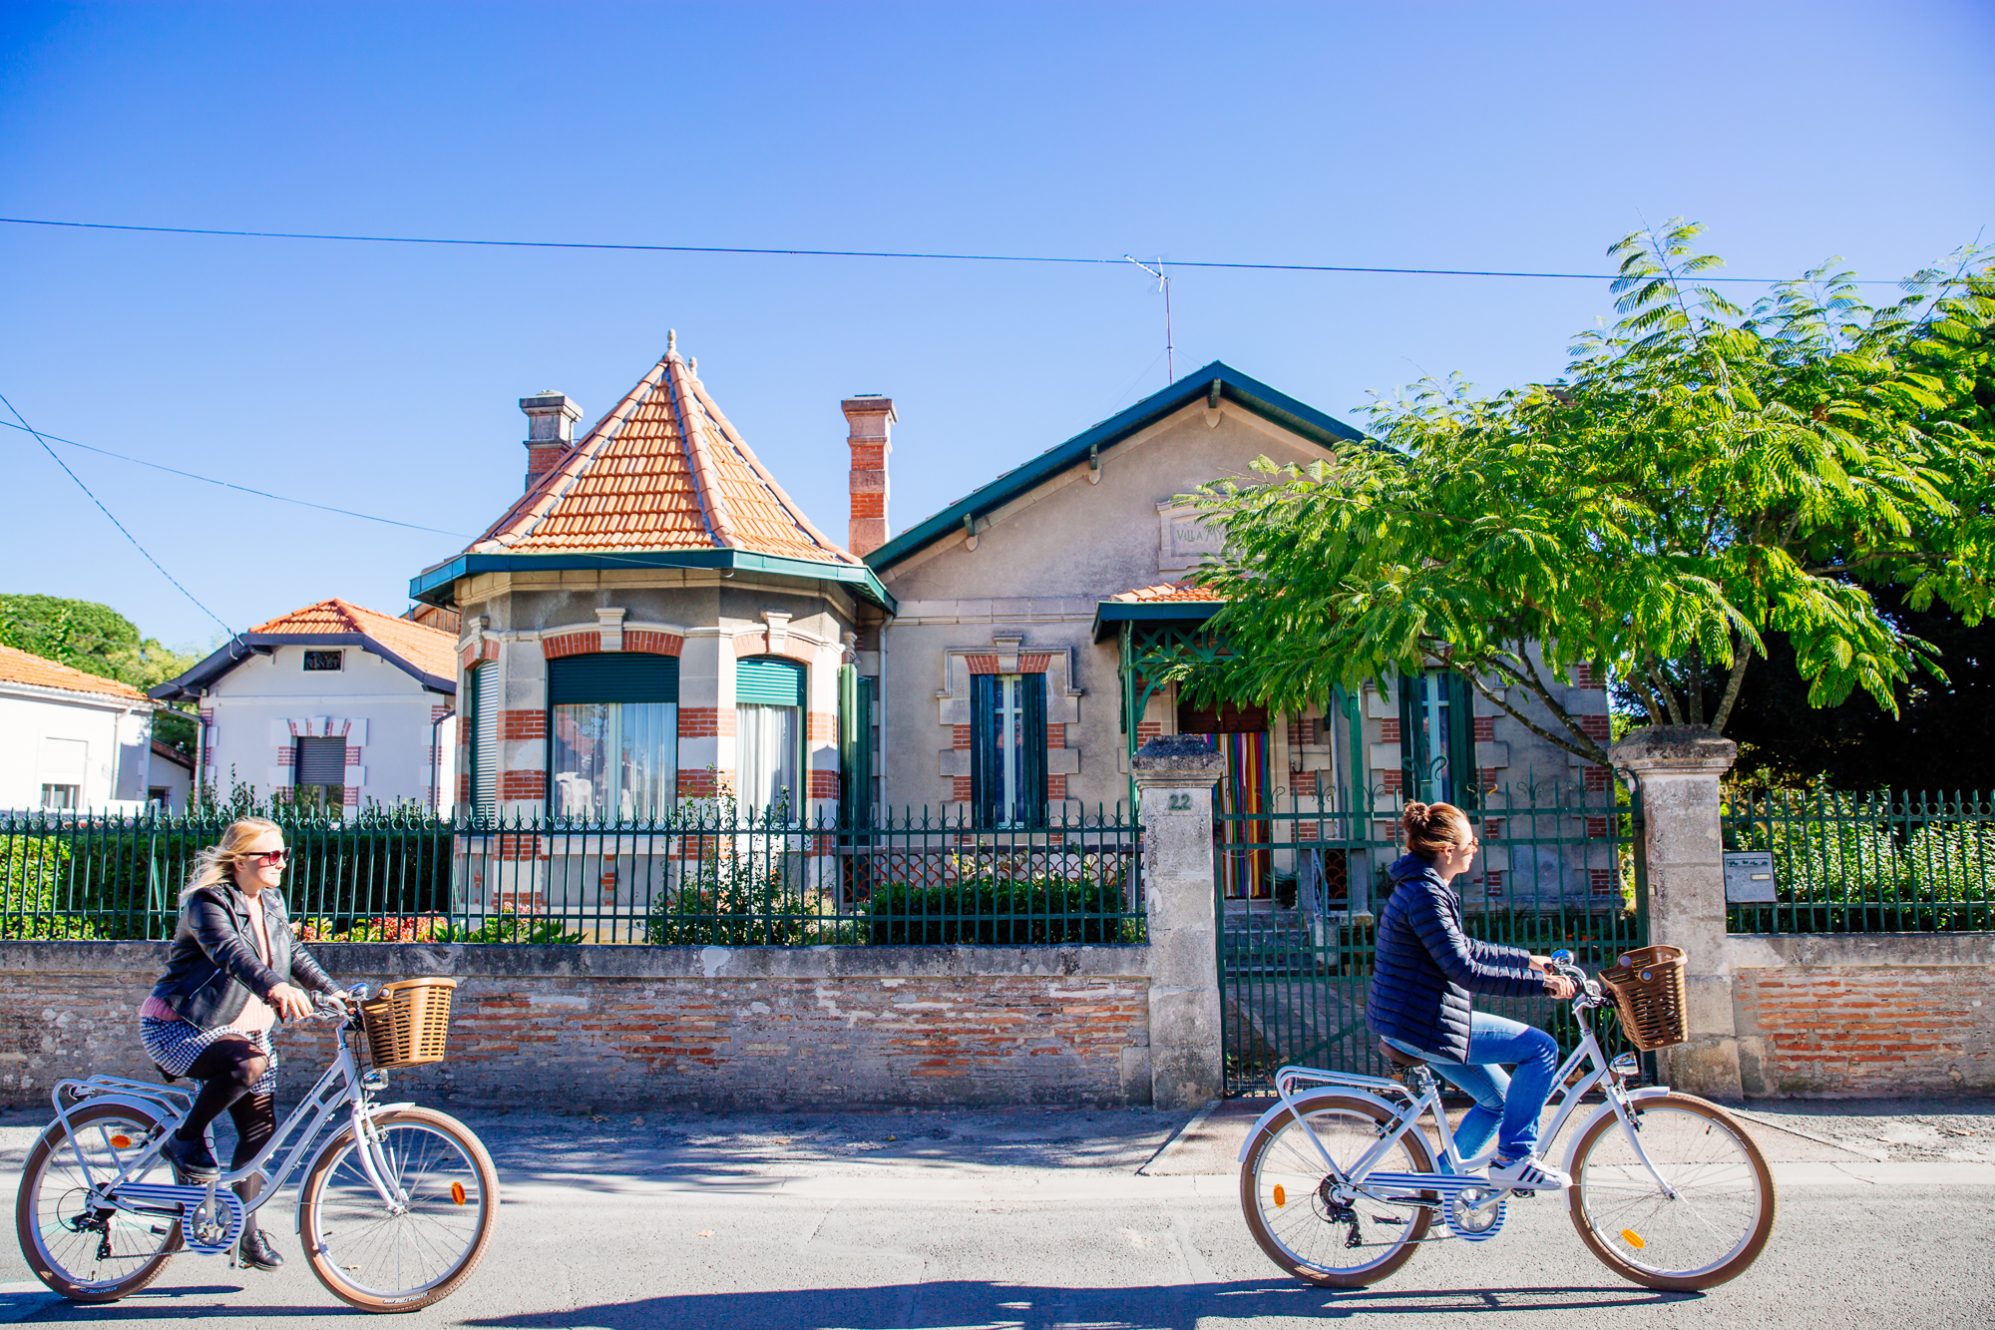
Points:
x=1427 y=966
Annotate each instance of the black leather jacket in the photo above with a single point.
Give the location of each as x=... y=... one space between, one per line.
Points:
x=214 y=966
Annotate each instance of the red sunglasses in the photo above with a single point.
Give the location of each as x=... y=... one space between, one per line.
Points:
x=268 y=857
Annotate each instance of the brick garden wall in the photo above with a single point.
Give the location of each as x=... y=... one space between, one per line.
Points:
x=631 y=1027
x=1870 y=1014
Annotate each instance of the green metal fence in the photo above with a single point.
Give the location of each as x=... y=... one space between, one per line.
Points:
x=1558 y=869
x=710 y=874
x=1881 y=862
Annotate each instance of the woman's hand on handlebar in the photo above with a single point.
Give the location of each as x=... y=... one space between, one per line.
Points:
x=1560 y=987
x=291 y=1002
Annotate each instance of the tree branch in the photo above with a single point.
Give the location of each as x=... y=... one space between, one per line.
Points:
x=1741 y=657
x=1585 y=748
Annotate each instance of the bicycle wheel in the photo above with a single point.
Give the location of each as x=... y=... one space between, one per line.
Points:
x=92 y=1253
x=383 y=1260
x=1709 y=1232
x=1299 y=1216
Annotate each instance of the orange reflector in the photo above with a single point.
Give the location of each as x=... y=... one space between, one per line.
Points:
x=1281 y=1196
x=457 y=1194
x=121 y=1142
x=1633 y=1239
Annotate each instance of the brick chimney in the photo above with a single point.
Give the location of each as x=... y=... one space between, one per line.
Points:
x=869 y=420
x=550 y=431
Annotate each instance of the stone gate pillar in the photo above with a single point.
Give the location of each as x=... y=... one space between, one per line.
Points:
x=1174 y=780
x=1678 y=770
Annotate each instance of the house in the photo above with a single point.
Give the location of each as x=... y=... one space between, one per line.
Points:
x=70 y=740
x=654 y=619
x=331 y=706
x=171 y=786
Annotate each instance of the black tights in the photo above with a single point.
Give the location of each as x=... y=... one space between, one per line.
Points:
x=226 y=1070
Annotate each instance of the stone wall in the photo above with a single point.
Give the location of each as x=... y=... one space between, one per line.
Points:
x=1870 y=1014
x=636 y=1027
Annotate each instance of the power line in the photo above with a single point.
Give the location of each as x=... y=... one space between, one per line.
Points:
x=923 y=255
x=241 y=489
x=113 y=518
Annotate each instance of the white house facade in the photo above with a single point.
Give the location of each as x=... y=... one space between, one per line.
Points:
x=70 y=741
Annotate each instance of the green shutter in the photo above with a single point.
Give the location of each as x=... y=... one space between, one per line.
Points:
x=1032 y=769
x=613 y=677
x=984 y=781
x=1463 y=773
x=1414 y=759
x=766 y=681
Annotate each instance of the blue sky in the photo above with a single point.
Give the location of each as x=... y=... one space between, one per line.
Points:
x=386 y=379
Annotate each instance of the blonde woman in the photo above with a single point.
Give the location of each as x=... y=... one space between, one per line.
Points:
x=234 y=971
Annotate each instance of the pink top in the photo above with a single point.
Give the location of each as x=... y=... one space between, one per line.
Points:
x=257 y=1014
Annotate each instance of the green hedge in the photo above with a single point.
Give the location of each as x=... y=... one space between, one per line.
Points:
x=999 y=911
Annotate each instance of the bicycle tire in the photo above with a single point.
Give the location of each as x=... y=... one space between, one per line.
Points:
x=311 y=1197
x=28 y=1226
x=1417 y=1151
x=1674 y=1281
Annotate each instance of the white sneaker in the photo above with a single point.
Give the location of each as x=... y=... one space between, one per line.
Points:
x=1528 y=1174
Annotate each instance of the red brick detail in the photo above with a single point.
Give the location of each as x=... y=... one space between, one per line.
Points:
x=650 y=642
x=1870 y=1030
x=1056 y=736
x=486 y=650
x=463 y=788
x=1491 y=777
x=571 y=644
x=824 y=785
x=1388 y=730
x=353 y=755
x=286 y=756
x=985 y=664
x=1492 y=828
x=523 y=724
x=514 y=849
x=869 y=456
x=349 y=796
x=1594 y=777
x=868 y=504
x=1146 y=730
x=1596 y=728
x=821 y=726
x=1493 y=882
x=1596 y=828
x=1037 y=662
x=959 y=738
x=522 y=785
x=747 y=645
x=703 y=784
x=1601 y=881
x=1485 y=729
x=705 y=722
x=1306 y=831
x=1390 y=780
x=1056 y=787
x=959 y=789
x=1583 y=676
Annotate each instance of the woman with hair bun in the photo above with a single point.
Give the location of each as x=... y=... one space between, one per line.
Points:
x=1427 y=966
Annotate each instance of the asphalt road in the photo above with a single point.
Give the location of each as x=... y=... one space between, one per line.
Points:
x=1096 y=1220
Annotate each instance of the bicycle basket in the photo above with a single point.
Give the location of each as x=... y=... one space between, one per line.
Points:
x=1647 y=986
x=407 y=1022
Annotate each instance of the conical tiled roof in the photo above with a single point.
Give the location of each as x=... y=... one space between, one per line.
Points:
x=664 y=470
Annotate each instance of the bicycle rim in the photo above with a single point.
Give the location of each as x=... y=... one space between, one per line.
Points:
x=1714 y=1225
x=1299 y=1217
x=91 y=1254
x=376 y=1257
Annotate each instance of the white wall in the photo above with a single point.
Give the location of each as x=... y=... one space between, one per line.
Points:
x=382 y=710
x=115 y=739
x=177 y=782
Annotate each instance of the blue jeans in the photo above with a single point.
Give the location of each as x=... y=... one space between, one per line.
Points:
x=1513 y=1103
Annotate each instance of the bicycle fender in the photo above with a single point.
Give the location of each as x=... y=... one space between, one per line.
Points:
x=1303 y=1101
x=157 y=1111
x=1606 y=1110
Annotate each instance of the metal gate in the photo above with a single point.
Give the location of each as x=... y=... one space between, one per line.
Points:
x=1559 y=868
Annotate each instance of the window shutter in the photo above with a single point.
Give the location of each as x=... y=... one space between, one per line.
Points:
x=1413 y=759
x=613 y=676
x=1032 y=750
x=322 y=761
x=1464 y=776
x=984 y=779
x=485 y=739
x=768 y=682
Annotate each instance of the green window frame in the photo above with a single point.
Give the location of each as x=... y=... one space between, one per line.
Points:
x=1437 y=738
x=773 y=767
x=1008 y=750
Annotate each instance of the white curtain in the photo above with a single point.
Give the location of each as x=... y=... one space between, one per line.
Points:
x=770 y=748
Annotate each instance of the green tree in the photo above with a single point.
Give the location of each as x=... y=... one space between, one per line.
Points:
x=1699 y=478
x=96 y=639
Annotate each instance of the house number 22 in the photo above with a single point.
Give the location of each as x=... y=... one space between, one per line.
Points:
x=1179 y=802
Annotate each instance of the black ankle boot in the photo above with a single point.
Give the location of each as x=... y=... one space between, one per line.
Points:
x=257 y=1250
x=191 y=1159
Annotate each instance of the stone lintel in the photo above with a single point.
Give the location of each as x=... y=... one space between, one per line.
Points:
x=1675 y=750
x=1177 y=759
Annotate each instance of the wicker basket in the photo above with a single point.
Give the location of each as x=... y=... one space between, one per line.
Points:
x=408 y=1022
x=1648 y=993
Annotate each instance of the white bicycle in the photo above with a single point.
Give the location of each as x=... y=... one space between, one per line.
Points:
x=1339 y=1184
x=395 y=1211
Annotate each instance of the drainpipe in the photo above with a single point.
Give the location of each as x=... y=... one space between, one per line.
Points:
x=884 y=708
x=436 y=757
x=200 y=751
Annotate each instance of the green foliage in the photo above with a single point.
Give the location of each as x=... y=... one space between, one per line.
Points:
x=993 y=909
x=506 y=927
x=1699 y=478
x=97 y=640
x=31 y=870
x=744 y=900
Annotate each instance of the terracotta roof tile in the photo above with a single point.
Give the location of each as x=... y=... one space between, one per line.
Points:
x=662 y=470
x=1168 y=593
x=430 y=650
x=36 y=672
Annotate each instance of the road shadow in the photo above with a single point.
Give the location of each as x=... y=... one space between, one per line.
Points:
x=953 y=1303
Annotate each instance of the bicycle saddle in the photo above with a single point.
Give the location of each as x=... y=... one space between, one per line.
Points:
x=1399 y=1057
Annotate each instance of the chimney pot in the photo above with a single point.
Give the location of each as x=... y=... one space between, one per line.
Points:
x=550 y=431
x=869 y=420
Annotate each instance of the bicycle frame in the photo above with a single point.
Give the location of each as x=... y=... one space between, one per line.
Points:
x=303 y=1133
